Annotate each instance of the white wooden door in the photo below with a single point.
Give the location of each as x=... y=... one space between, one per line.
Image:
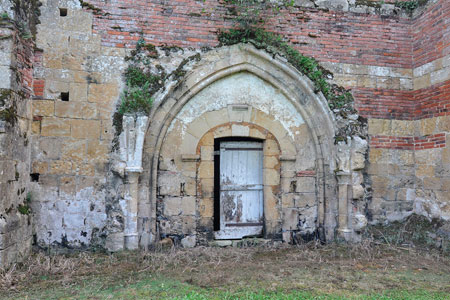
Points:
x=241 y=190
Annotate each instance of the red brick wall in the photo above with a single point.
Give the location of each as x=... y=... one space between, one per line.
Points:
x=404 y=105
x=431 y=32
x=408 y=142
x=326 y=35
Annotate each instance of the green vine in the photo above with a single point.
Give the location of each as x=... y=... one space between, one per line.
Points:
x=338 y=97
x=410 y=6
x=248 y=13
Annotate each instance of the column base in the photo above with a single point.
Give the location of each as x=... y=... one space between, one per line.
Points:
x=131 y=241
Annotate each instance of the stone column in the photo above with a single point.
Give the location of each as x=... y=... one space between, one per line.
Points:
x=132 y=142
x=344 y=198
x=131 y=240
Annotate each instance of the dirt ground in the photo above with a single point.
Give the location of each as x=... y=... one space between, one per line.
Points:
x=334 y=269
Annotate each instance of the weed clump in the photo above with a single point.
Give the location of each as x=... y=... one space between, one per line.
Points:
x=415 y=231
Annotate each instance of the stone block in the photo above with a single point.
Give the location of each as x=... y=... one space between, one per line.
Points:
x=80 y=76
x=206 y=207
x=67 y=185
x=78 y=92
x=428 y=156
x=97 y=150
x=74 y=150
x=115 y=242
x=357 y=191
x=55 y=127
x=271 y=162
x=40 y=167
x=52 y=60
x=35 y=127
x=66 y=109
x=388 y=83
x=443 y=123
x=107 y=130
x=290 y=219
x=7 y=171
x=271 y=147
x=103 y=93
x=240 y=130
x=169 y=183
x=427 y=126
x=207 y=187
x=425 y=171
x=216 y=117
x=366 y=81
x=198 y=127
x=432 y=183
x=271 y=202
x=60 y=167
x=84 y=169
x=222 y=132
x=54 y=88
x=172 y=206
x=85 y=129
x=188 y=225
x=379 y=126
x=188 y=144
x=48 y=148
x=305 y=200
x=306 y=185
x=207 y=153
x=43 y=108
x=73 y=61
x=406 y=84
x=439 y=76
x=206 y=169
x=287 y=200
x=188 y=206
x=189 y=241
x=271 y=177
x=422 y=82
x=402 y=128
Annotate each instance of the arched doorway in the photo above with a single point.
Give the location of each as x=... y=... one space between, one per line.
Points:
x=245 y=93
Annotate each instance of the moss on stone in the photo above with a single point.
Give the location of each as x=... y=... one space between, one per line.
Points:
x=9 y=115
x=95 y=9
x=24 y=209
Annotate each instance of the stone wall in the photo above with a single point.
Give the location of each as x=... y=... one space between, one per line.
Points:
x=408 y=156
x=16 y=75
x=399 y=82
x=77 y=84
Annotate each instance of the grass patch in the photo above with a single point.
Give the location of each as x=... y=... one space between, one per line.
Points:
x=310 y=271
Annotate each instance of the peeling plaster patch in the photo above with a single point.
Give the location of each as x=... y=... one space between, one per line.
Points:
x=240 y=88
x=70 y=218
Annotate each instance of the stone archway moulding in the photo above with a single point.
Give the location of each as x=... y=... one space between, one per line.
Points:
x=223 y=62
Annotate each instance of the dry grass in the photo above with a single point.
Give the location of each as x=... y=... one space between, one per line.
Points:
x=335 y=268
